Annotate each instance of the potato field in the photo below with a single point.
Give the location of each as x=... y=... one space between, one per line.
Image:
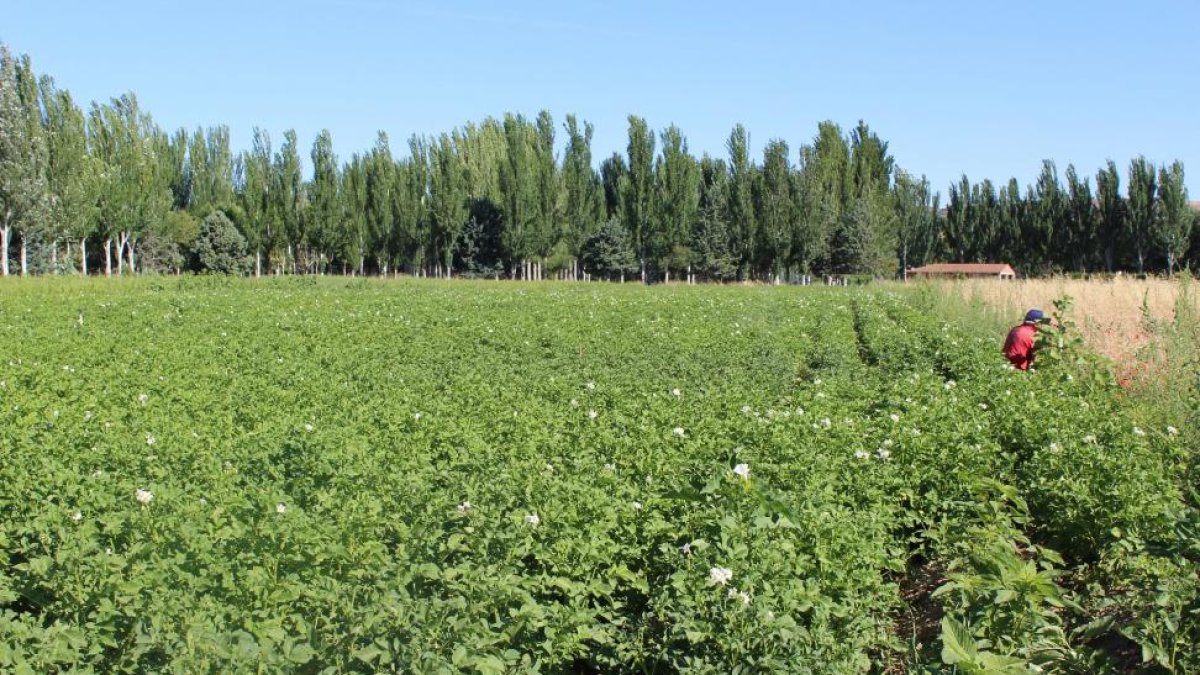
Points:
x=326 y=476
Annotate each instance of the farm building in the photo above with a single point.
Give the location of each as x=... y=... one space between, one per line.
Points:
x=964 y=271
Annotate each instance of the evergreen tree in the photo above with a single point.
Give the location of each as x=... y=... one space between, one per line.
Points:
x=609 y=253
x=220 y=248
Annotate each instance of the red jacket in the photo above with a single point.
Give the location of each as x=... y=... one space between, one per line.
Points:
x=1018 y=346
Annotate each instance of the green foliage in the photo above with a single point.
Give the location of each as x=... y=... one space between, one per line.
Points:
x=219 y=247
x=609 y=253
x=108 y=178
x=722 y=478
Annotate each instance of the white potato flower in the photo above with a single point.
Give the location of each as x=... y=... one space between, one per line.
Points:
x=720 y=575
x=742 y=470
x=144 y=497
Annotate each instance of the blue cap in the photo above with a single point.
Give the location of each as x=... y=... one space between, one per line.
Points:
x=1034 y=315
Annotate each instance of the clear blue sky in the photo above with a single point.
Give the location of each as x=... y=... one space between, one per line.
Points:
x=985 y=88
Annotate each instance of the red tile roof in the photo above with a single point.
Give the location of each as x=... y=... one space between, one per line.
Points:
x=964 y=268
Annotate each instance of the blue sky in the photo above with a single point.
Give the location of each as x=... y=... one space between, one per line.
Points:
x=985 y=88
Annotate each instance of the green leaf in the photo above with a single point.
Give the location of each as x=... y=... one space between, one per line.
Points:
x=958 y=646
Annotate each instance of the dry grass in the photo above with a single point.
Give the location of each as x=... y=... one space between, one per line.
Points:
x=1115 y=317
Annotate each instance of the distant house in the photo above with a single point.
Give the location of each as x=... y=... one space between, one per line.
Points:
x=963 y=271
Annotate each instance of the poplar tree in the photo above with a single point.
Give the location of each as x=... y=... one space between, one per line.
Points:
x=677 y=183
x=1111 y=216
x=823 y=183
x=774 y=210
x=1048 y=210
x=71 y=171
x=254 y=173
x=1078 y=230
x=711 y=240
x=959 y=224
x=518 y=184
x=1143 y=209
x=287 y=196
x=583 y=206
x=1175 y=216
x=381 y=203
x=916 y=220
x=448 y=201
x=545 y=172
x=23 y=186
x=325 y=210
x=638 y=193
x=740 y=199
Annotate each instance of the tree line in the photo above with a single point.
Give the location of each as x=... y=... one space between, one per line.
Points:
x=104 y=187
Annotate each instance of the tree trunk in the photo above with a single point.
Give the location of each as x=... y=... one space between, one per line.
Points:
x=132 y=264
x=108 y=256
x=24 y=255
x=54 y=257
x=83 y=257
x=257 y=262
x=122 y=240
x=4 y=249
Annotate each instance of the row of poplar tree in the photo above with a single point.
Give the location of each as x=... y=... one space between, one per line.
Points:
x=107 y=188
